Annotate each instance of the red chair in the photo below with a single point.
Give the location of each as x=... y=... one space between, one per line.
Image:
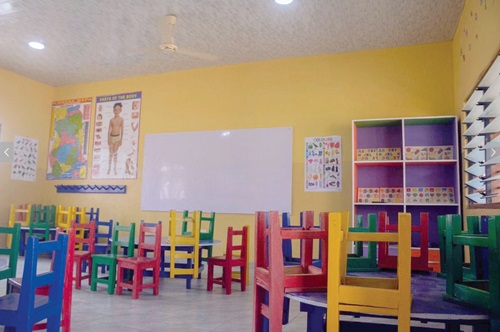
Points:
x=85 y=238
x=149 y=241
x=272 y=278
x=14 y=285
x=419 y=262
x=230 y=260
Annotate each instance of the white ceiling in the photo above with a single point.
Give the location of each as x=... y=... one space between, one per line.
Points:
x=96 y=40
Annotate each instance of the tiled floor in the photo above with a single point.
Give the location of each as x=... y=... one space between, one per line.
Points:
x=175 y=309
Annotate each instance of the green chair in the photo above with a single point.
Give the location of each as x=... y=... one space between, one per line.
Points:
x=474 y=269
x=39 y=225
x=479 y=293
x=358 y=261
x=207 y=226
x=122 y=241
x=11 y=251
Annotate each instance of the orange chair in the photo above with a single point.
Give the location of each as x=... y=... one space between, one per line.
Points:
x=82 y=256
x=230 y=260
x=272 y=277
x=149 y=240
x=14 y=285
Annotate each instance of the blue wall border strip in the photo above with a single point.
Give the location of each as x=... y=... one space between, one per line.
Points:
x=91 y=189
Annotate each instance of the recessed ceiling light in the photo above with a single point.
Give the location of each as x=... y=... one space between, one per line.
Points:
x=283 y=2
x=36 y=45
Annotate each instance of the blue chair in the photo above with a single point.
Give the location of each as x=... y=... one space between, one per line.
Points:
x=20 y=311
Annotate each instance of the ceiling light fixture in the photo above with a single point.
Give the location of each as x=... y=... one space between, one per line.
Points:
x=283 y=2
x=36 y=45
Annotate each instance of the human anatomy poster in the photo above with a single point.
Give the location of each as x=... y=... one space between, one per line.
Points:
x=25 y=159
x=323 y=163
x=116 y=136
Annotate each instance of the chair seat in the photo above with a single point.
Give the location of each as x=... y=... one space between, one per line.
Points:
x=137 y=260
x=11 y=301
x=82 y=254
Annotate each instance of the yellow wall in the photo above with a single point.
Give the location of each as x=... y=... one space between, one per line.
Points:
x=317 y=96
x=24 y=111
x=475 y=46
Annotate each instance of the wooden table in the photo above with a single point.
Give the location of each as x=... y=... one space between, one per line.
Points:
x=427 y=306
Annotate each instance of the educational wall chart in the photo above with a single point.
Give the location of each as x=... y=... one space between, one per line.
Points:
x=25 y=159
x=69 y=139
x=116 y=136
x=323 y=163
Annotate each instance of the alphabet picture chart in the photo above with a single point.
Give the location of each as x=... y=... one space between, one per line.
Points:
x=323 y=163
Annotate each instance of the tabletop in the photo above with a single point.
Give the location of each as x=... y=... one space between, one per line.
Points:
x=427 y=304
x=165 y=241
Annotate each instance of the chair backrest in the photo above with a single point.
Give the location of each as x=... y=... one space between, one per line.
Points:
x=11 y=250
x=39 y=222
x=20 y=214
x=93 y=214
x=53 y=279
x=80 y=215
x=85 y=235
x=207 y=224
x=192 y=238
x=150 y=239
x=104 y=231
x=237 y=243
x=388 y=296
x=269 y=252
x=127 y=235
x=64 y=217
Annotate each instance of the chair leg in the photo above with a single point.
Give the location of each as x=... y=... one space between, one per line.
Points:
x=156 y=280
x=119 y=279
x=276 y=311
x=112 y=279
x=78 y=274
x=228 y=279
x=210 y=277
x=93 y=283
x=90 y=268
x=136 y=283
x=243 y=278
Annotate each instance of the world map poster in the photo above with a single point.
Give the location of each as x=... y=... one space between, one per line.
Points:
x=69 y=136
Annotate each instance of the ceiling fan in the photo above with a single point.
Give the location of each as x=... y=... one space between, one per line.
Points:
x=168 y=43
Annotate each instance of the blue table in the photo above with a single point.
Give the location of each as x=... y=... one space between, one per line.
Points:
x=427 y=306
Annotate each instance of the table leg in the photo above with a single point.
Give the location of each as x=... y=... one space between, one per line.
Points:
x=315 y=317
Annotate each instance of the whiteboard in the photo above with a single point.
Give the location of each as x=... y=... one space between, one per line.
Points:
x=226 y=171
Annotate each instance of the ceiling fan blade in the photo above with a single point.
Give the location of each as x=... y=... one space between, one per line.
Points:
x=196 y=54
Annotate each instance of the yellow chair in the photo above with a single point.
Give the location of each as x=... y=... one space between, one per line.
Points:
x=185 y=246
x=379 y=296
x=21 y=215
x=64 y=217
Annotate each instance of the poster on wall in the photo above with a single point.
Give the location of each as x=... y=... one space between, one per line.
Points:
x=25 y=159
x=116 y=136
x=323 y=163
x=69 y=137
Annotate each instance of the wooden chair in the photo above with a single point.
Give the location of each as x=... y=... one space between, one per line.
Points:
x=10 y=250
x=64 y=217
x=185 y=247
x=85 y=238
x=14 y=285
x=480 y=293
x=93 y=214
x=123 y=241
x=20 y=311
x=272 y=278
x=142 y=262
x=39 y=223
x=104 y=232
x=418 y=263
x=476 y=268
x=21 y=215
x=236 y=256
x=380 y=296
x=207 y=227
x=358 y=261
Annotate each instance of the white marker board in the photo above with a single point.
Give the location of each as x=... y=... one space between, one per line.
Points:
x=226 y=171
